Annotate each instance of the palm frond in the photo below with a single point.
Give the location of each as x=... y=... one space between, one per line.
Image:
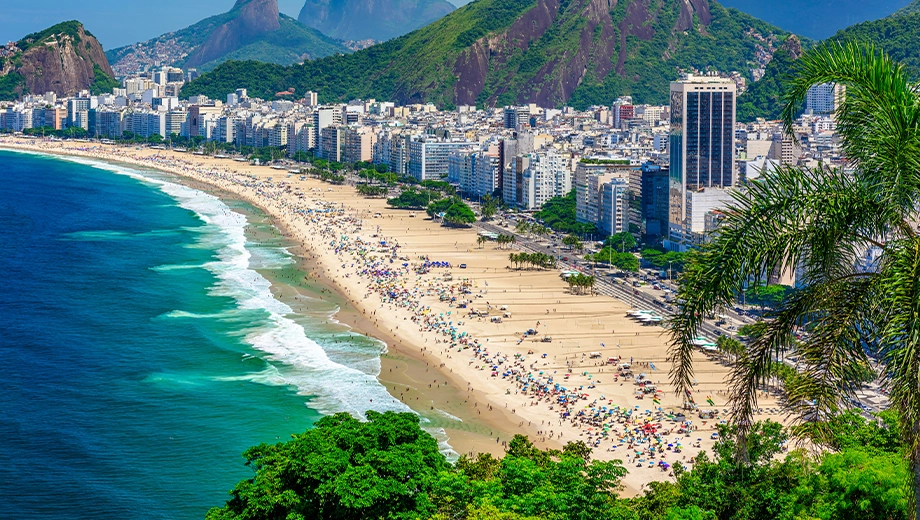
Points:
x=879 y=117
x=820 y=219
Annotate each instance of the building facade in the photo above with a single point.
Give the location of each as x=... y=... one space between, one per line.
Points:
x=702 y=151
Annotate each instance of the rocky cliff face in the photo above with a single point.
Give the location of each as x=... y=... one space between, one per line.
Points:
x=63 y=59
x=548 y=52
x=249 y=20
x=603 y=46
x=371 y=19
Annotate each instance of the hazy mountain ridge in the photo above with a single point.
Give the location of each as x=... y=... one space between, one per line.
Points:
x=253 y=29
x=371 y=19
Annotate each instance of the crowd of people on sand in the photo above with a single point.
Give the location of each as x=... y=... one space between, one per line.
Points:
x=651 y=437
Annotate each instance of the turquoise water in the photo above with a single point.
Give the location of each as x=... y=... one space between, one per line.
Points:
x=142 y=347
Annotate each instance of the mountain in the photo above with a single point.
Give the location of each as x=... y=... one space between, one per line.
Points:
x=816 y=19
x=371 y=19
x=252 y=30
x=63 y=59
x=910 y=8
x=895 y=34
x=764 y=97
x=549 y=52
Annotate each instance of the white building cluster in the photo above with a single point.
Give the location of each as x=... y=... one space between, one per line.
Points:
x=661 y=171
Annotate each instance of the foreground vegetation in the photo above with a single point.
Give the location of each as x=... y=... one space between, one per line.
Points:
x=389 y=468
x=859 y=316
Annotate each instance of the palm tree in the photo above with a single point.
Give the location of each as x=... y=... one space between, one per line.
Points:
x=853 y=236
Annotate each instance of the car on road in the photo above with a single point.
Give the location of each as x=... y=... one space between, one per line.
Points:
x=462 y=266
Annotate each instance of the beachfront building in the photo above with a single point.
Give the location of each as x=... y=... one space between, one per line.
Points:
x=146 y=123
x=613 y=207
x=17 y=118
x=591 y=174
x=513 y=180
x=651 y=191
x=392 y=150
x=224 y=129
x=508 y=148
x=359 y=144
x=108 y=122
x=325 y=117
x=331 y=143
x=460 y=165
x=300 y=137
x=485 y=173
x=548 y=174
x=198 y=114
x=702 y=154
x=177 y=122
x=428 y=157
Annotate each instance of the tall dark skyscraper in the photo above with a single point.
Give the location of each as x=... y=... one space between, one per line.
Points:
x=702 y=153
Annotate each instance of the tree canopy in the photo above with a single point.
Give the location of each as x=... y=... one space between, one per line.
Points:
x=342 y=468
x=860 y=317
x=388 y=467
x=559 y=214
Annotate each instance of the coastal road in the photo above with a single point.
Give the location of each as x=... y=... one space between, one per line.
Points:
x=636 y=298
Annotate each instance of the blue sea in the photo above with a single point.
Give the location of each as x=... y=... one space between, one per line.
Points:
x=149 y=333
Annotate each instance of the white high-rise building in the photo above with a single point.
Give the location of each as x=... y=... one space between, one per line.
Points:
x=548 y=174
x=824 y=99
x=590 y=176
x=485 y=174
x=324 y=117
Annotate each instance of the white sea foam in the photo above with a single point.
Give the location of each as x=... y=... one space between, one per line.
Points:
x=270 y=257
x=176 y=267
x=333 y=387
x=192 y=315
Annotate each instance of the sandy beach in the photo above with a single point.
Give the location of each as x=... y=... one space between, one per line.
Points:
x=533 y=359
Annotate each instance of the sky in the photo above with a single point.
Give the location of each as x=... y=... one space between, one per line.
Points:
x=115 y=22
x=816 y=19
x=122 y=22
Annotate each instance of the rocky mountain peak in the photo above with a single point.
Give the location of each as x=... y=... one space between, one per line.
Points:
x=64 y=59
x=247 y=20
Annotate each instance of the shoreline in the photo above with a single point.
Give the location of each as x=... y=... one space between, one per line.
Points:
x=579 y=327
x=398 y=368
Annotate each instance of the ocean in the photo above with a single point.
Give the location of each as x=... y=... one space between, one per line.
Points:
x=143 y=345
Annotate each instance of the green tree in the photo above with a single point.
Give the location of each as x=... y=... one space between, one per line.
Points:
x=820 y=220
x=342 y=468
x=766 y=295
x=622 y=261
x=532 y=482
x=489 y=207
x=622 y=241
x=573 y=241
x=438 y=207
x=857 y=484
x=459 y=214
x=559 y=214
